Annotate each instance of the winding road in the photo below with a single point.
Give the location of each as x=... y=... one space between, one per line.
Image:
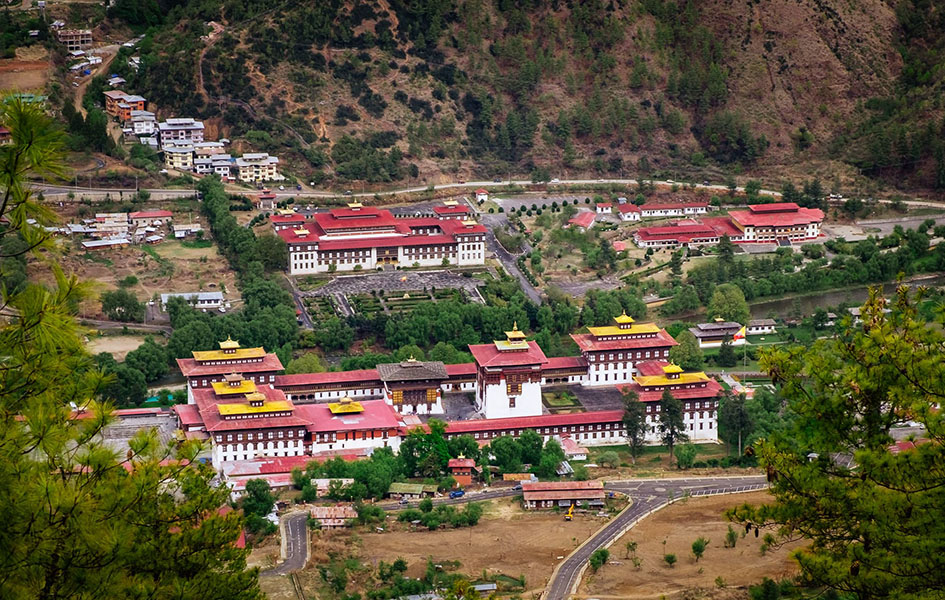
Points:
x=647 y=496
x=294 y=544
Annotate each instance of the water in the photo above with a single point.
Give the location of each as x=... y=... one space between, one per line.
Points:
x=782 y=307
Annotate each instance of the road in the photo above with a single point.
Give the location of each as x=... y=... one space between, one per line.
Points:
x=295 y=542
x=647 y=495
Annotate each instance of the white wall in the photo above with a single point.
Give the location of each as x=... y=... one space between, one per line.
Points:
x=229 y=451
x=527 y=404
x=391 y=442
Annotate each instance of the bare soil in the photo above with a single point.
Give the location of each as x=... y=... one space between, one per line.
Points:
x=117 y=345
x=194 y=269
x=16 y=74
x=672 y=531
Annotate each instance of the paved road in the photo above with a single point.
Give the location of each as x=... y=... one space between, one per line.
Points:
x=295 y=539
x=647 y=495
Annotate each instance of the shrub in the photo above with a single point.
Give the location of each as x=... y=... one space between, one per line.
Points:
x=731 y=537
x=599 y=558
x=698 y=547
x=669 y=559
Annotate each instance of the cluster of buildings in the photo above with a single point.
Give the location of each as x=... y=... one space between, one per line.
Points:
x=182 y=142
x=360 y=237
x=120 y=230
x=630 y=212
x=778 y=223
x=238 y=400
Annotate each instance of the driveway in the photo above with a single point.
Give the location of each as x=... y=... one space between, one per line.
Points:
x=294 y=544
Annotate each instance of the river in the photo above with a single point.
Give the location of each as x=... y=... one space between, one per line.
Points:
x=782 y=307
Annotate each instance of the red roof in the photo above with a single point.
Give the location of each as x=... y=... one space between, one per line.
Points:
x=683 y=231
x=188 y=415
x=461 y=463
x=673 y=205
x=585 y=418
x=604 y=204
x=461 y=369
x=588 y=343
x=583 y=219
x=627 y=207
x=293 y=218
x=651 y=367
x=786 y=217
x=207 y=402
x=265 y=466
x=711 y=390
x=774 y=207
x=487 y=355
x=723 y=226
x=482 y=191
x=191 y=368
x=450 y=210
x=351 y=218
x=571 y=447
x=565 y=362
x=377 y=414
x=564 y=495
x=150 y=214
x=548 y=486
x=366 y=376
x=619 y=246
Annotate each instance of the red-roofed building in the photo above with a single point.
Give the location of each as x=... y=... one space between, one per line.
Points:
x=360 y=237
x=781 y=220
x=210 y=366
x=697 y=391
x=591 y=428
x=584 y=220
x=482 y=195
x=333 y=385
x=287 y=220
x=673 y=209
x=629 y=212
x=349 y=425
x=619 y=246
x=612 y=351
x=266 y=200
x=147 y=217
x=464 y=470
x=604 y=208
x=548 y=494
x=508 y=380
x=680 y=233
x=451 y=210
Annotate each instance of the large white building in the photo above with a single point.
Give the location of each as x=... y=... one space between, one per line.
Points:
x=361 y=237
x=258 y=166
x=613 y=351
x=508 y=376
x=180 y=132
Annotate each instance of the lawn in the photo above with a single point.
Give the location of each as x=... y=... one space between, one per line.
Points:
x=559 y=399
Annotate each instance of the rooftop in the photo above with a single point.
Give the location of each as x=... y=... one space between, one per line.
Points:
x=412 y=370
x=583 y=219
x=503 y=353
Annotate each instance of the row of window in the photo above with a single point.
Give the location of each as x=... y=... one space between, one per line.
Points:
x=630 y=355
x=547 y=430
x=263 y=435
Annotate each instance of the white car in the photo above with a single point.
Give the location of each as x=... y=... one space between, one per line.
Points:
x=555 y=180
x=282 y=187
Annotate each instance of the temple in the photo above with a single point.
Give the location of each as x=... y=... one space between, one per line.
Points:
x=210 y=366
x=508 y=376
x=612 y=351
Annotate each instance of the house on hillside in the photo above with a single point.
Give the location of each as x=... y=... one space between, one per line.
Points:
x=200 y=300
x=584 y=220
x=334 y=517
x=761 y=326
x=464 y=470
x=629 y=212
x=604 y=208
x=482 y=195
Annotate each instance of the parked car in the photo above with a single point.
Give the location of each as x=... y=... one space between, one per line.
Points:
x=281 y=187
x=298 y=186
x=517 y=487
x=457 y=494
x=555 y=180
x=404 y=501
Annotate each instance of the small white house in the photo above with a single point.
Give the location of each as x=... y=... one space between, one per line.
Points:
x=605 y=208
x=629 y=212
x=482 y=195
x=761 y=327
x=201 y=300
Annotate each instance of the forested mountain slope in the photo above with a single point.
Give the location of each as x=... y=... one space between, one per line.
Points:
x=388 y=89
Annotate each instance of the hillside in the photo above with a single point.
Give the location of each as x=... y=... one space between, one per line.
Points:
x=396 y=90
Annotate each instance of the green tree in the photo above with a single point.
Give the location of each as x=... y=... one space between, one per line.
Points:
x=309 y=362
x=128 y=386
x=551 y=456
x=726 y=357
x=531 y=444
x=671 y=426
x=685 y=455
x=426 y=505
x=676 y=264
x=634 y=422
x=149 y=358
x=734 y=419
x=728 y=302
x=122 y=305
x=669 y=559
x=599 y=558
x=699 y=546
x=507 y=453
x=273 y=252
x=875 y=524
x=81 y=519
x=687 y=354
x=258 y=499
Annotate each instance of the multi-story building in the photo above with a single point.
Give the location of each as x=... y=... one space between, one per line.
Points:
x=210 y=366
x=181 y=131
x=414 y=387
x=713 y=335
x=508 y=376
x=179 y=157
x=143 y=122
x=360 y=237
x=697 y=391
x=120 y=104
x=769 y=223
x=612 y=351
x=258 y=166
x=75 y=39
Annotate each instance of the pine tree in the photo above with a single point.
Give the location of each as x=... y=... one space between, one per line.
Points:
x=672 y=426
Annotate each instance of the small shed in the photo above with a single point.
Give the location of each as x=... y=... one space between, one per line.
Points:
x=411 y=490
x=464 y=470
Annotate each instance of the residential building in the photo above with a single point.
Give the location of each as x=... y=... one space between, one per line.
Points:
x=508 y=376
x=149 y=217
x=604 y=208
x=209 y=148
x=713 y=335
x=761 y=326
x=180 y=131
x=128 y=105
x=612 y=351
x=584 y=220
x=256 y=167
x=360 y=237
x=334 y=517
x=200 y=300
x=629 y=212
x=697 y=392
x=180 y=158
x=143 y=122
x=211 y=366
x=74 y=39
x=672 y=209
x=564 y=494
x=183 y=230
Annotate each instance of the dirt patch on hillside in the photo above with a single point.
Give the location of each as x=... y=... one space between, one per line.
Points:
x=678 y=526
x=18 y=74
x=117 y=345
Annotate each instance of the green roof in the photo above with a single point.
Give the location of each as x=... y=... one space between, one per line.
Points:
x=411 y=488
